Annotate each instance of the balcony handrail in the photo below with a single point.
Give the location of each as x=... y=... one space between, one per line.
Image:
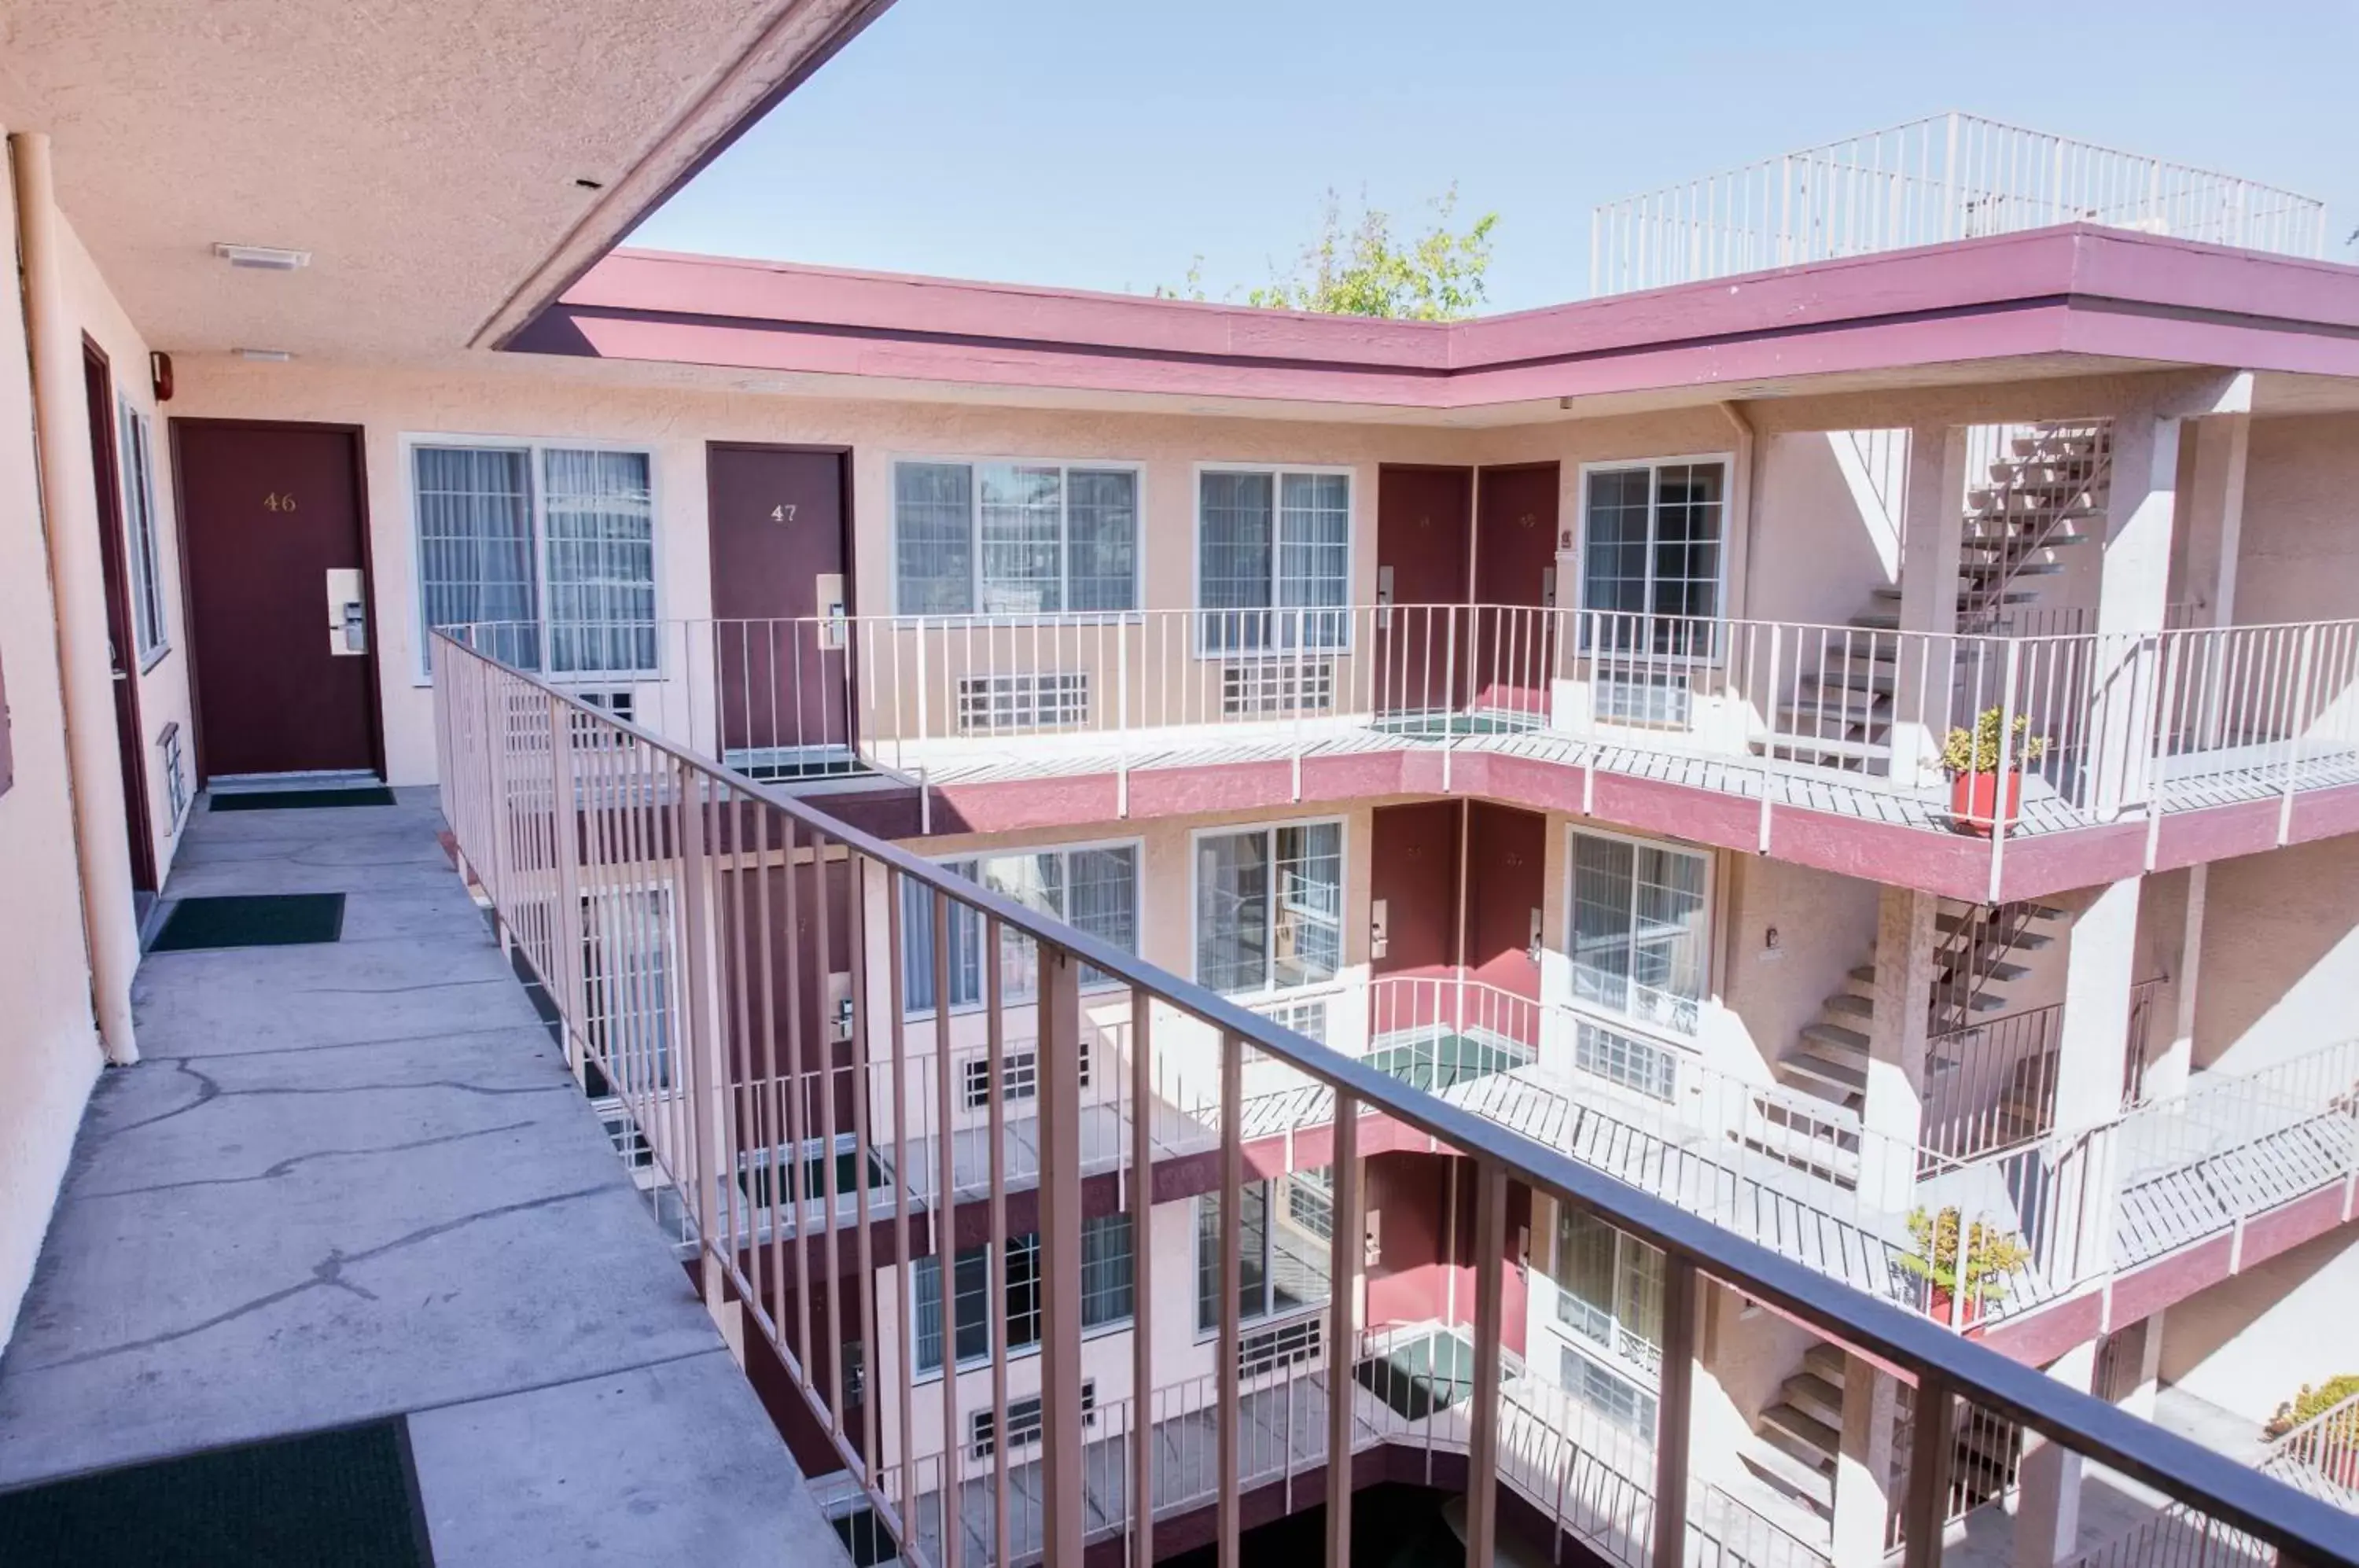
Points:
x=1907 y=1342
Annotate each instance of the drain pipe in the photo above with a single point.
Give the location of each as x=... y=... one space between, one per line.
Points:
x=78 y=592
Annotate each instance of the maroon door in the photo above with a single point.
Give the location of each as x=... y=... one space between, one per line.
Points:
x=272 y=516
x=123 y=649
x=1515 y=562
x=1422 y=520
x=1503 y=902
x=780 y=572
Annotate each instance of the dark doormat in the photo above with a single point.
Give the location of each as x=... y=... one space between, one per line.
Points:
x=252 y=919
x=299 y=799
x=336 y=1500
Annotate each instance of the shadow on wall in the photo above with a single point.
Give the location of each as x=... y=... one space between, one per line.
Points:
x=2280 y=955
x=2298 y=1302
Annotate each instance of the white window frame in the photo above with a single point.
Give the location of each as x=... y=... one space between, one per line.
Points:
x=1136 y=468
x=1137 y=847
x=1271 y=1208
x=1608 y=1358
x=409 y=442
x=1269 y=990
x=1644 y=1029
x=1729 y=523
x=995 y=1311
x=1197 y=640
x=151 y=631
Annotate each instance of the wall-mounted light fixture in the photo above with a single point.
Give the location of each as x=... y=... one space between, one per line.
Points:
x=266 y=258
x=265 y=355
x=160 y=374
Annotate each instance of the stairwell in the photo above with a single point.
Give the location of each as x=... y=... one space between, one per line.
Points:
x=2041 y=487
x=1798 y=1437
x=1816 y=1127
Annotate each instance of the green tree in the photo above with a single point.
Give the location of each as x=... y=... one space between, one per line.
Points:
x=1362 y=270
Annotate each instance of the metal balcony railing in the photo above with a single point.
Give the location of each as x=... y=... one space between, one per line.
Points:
x=1949 y=177
x=689 y=921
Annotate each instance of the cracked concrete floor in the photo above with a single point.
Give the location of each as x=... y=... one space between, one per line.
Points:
x=352 y=1179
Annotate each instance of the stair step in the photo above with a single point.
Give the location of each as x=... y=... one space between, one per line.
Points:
x=1833 y=1043
x=1809 y=1075
x=1850 y=1004
x=1806 y=1483
x=1815 y=1398
x=1804 y=1436
x=1948 y=925
x=1828 y=1362
x=1876 y=623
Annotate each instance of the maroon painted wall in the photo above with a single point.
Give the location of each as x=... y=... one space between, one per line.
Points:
x=1413 y=1275
x=1415 y=870
x=1506 y=858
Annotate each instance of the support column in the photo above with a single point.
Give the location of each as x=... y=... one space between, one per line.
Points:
x=2168 y=1070
x=2133 y=601
x=1932 y=527
x=1863 y=1466
x=2215 y=513
x=2139 y=1399
x=2100 y=968
x=85 y=665
x=2047 y=1503
x=1892 y=1111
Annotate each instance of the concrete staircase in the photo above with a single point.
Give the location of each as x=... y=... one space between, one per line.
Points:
x=1816 y=1128
x=1799 y=1436
x=2041 y=493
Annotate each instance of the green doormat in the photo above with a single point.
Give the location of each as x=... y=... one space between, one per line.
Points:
x=336 y=1500
x=252 y=919
x=299 y=799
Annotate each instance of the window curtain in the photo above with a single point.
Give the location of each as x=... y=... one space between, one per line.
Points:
x=933 y=539
x=1233 y=912
x=1309 y=914
x=139 y=516
x=600 y=517
x=1102 y=539
x=1315 y=528
x=1021 y=522
x=475 y=547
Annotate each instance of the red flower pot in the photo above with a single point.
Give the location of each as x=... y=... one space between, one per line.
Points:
x=1938 y=1306
x=1974 y=805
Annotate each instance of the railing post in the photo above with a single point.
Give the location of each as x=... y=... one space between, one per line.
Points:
x=565 y=825
x=2000 y=823
x=2298 y=705
x=1343 y=1262
x=1227 y=1394
x=1142 y=1293
x=1064 y=1506
x=1482 y=1413
x=704 y=1057
x=1674 y=1405
x=1924 y=1508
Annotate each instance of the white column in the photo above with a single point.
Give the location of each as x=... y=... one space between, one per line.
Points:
x=1893 y=1109
x=1932 y=528
x=2100 y=968
x=2215 y=513
x=2139 y=1399
x=2168 y=1070
x=2048 y=1505
x=1863 y=1466
x=69 y=507
x=2133 y=599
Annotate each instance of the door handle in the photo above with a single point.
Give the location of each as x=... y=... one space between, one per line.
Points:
x=347 y=611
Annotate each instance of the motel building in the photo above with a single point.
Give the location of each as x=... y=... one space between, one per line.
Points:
x=680 y=908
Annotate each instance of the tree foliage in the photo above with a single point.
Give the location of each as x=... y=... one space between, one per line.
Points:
x=1363 y=270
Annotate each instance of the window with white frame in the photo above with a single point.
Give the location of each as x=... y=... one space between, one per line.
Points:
x=1269 y=907
x=1651 y=557
x=1273 y=558
x=625 y=966
x=1639 y=936
x=1014 y=538
x=1094 y=887
x=1106 y=1299
x=1285 y=1224
x=1609 y=1298
x=140 y=540
x=552 y=546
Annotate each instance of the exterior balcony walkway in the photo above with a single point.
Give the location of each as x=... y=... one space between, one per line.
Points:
x=353 y=1180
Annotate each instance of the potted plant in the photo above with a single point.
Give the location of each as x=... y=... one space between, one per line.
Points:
x=2330 y=1445
x=1971 y=757
x=1992 y=1255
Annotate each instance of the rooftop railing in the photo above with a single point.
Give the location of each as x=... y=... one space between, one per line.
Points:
x=689 y=921
x=1949 y=177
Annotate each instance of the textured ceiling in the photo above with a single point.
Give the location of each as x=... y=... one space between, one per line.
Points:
x=425 y=152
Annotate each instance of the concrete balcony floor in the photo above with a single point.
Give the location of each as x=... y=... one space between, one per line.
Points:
x=356 y=1180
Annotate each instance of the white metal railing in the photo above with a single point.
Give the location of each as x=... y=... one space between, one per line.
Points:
x=1949 y=177
x=688 y=923
x=1822 y=717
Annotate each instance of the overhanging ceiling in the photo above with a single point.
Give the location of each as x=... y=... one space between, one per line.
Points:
x=431 y=155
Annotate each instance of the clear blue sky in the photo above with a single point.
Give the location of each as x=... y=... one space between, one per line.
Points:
x=1103 y=144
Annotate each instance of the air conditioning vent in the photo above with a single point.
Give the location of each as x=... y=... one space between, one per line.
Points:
x=1023 y=1421
x=1657 y=701
x=1011 y=705
x=1269 y=687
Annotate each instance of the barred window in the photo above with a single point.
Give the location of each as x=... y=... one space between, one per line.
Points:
x=1273 y=558
x=1094 y=888
x=1015 y=538
x=1269 y=907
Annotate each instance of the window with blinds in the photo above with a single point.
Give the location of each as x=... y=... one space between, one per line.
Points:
x=1015 y=538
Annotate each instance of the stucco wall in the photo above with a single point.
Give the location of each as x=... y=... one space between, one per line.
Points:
x=2281 y=962
x=2299 y=559
x=2249 y=1343
x=48 y=1043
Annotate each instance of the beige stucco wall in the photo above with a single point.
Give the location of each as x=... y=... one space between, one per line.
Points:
x=2281 y=957
x=48 y=1041
x=2300 y=560
x=2249 y=1343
